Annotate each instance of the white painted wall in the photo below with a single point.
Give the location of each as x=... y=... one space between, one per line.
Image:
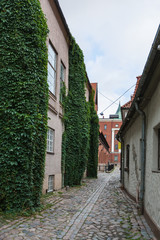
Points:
x=132 y=138
x=152 y=193
x=152 y=179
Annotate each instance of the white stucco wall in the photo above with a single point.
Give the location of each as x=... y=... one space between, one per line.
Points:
x=132 y=137
x=57 y=37
x=152 y=175
x=152 y=192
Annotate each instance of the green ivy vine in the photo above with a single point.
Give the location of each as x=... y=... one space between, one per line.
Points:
x=23 y=103
x=92 y=164
x=80 y=138
x=76 y=119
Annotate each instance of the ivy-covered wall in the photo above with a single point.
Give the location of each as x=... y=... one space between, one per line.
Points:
x=80 y=139
x=92 y=164
x=76 y=120
x=23 y=103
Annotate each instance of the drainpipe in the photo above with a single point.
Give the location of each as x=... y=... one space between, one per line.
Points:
x=122 y=162
x=143 y=159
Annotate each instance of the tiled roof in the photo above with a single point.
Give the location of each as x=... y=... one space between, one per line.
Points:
x=136 y=87
x=128 y=104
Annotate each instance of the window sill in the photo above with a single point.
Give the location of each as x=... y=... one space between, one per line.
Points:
x=52 y=96
x=50 y=153
x=49 y=191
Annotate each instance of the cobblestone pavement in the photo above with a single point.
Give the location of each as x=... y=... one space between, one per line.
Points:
x=98 y=210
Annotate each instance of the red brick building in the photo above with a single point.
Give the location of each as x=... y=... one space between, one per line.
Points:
x=103 y=152
x=110 y=127
x=103 y=149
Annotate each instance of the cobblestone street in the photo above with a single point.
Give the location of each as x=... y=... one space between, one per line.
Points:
x=98 y=210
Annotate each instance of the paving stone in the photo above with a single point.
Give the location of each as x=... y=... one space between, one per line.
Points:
x=98 y=210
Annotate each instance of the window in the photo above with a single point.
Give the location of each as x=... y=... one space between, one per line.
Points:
x=115 y=158
x=50 y=140
x=116 y=125
x=105 y=136
x=105 y=127
x=52 y=64
x=62 y=74
x=159 y=149
x=50 y=183
x=127 y=155
x=116 y=146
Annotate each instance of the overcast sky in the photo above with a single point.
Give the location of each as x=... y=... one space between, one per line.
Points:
x=116 y=37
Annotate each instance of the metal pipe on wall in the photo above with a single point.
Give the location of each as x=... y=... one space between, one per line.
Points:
x=143 y=158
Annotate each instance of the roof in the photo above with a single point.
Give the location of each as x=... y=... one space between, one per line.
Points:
x=147 y=85
x=88 y=82
x=128 y=104
x=136 y=87
x=62 y=16
x=103 y=140
x=105 y=120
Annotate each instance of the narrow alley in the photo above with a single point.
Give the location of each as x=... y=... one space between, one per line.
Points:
x=97 y=210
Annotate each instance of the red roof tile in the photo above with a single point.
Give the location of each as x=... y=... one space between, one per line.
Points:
x=128 y=104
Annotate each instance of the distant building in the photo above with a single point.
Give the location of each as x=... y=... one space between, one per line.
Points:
x=103 y=152
x=110 y=127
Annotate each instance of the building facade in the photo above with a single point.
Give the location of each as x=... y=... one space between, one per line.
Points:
x=95 y=88
x=58 y=47
x=103 y=152
x=140 y=138
x=110 y=127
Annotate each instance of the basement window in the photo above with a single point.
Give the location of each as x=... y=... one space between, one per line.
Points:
x=50 y=183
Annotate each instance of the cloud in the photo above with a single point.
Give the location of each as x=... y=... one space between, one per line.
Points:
x=116 y=37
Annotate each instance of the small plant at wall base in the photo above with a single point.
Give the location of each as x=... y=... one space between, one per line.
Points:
x=23 y=103
x=76 y=119
x=92 y=164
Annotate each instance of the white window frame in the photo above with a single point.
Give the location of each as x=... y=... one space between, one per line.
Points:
x=50 y=183
x=50 y=140
x=116 y=160
x=52 y=69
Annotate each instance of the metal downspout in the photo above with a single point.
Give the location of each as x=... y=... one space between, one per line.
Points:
x=143 y=158
x=122 y=162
